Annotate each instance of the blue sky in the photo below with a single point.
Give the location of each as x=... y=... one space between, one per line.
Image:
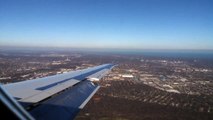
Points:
x=123 y=24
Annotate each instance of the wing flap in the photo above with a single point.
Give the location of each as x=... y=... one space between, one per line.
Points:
x=66 y=104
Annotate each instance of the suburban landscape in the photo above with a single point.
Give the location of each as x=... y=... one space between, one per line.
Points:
x=138 y=87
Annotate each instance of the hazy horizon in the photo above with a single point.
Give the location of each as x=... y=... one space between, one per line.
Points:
x=103 y=50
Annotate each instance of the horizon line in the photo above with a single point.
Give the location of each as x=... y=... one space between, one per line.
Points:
x=95 y=48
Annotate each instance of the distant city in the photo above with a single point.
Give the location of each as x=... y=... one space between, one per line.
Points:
x=141 y=86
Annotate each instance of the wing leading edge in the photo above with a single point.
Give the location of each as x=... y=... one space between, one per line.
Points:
x=59 y=96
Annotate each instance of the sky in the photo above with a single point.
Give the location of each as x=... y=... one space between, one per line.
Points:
x=122 y=24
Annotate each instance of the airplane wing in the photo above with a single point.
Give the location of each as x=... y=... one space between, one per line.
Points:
x=54 y=97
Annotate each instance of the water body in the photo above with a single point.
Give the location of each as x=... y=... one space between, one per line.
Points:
x=196 y=54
